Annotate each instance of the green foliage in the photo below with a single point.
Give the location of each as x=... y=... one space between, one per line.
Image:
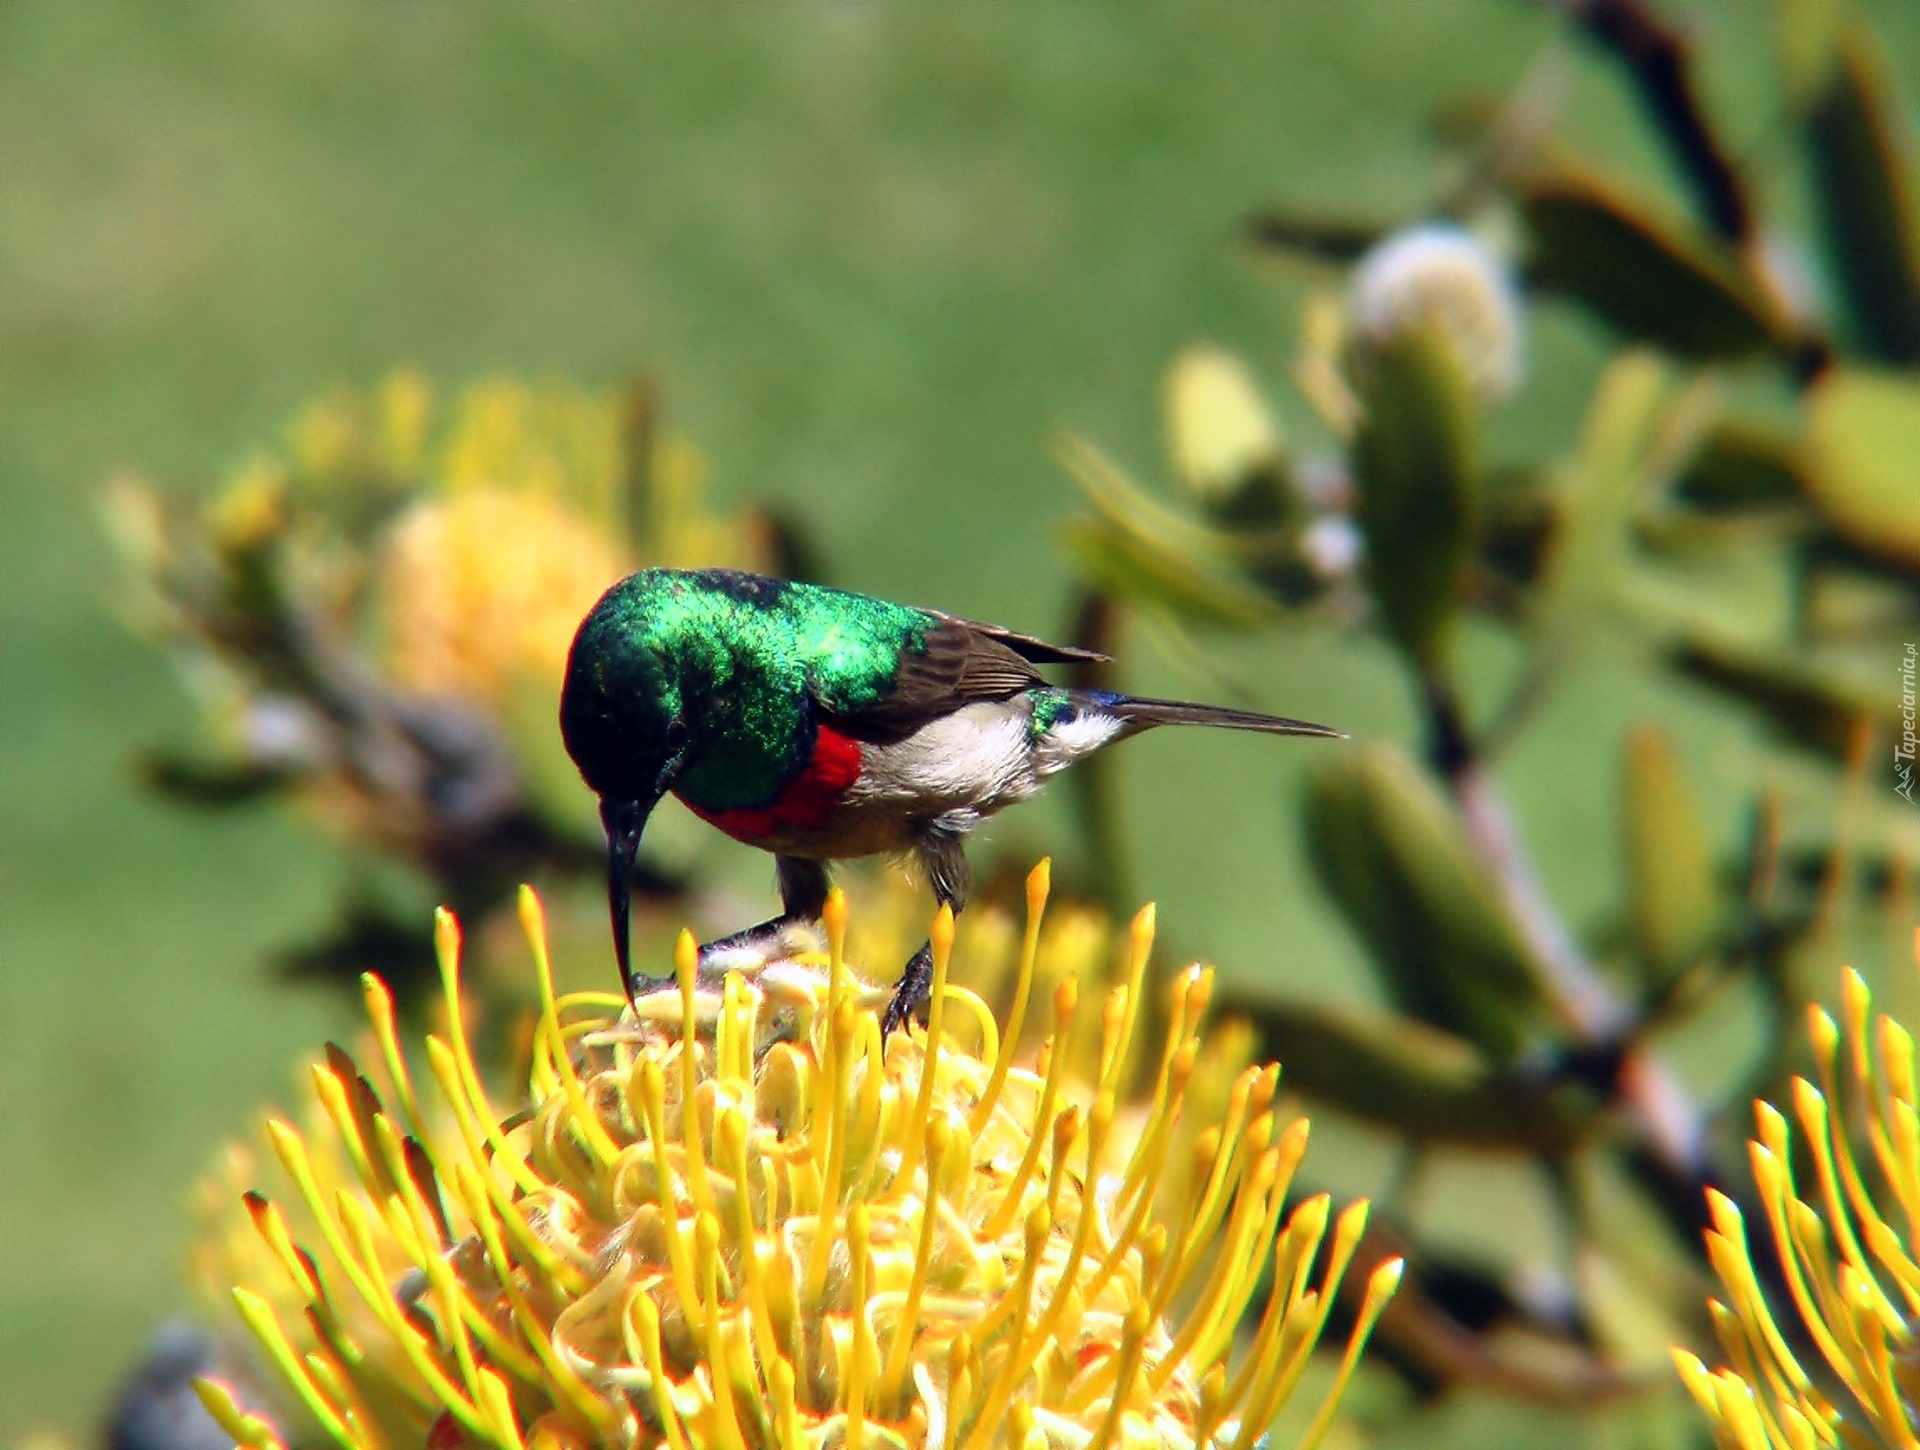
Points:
x=1416 y=466
x=1643 y=273
x=1864 y=438
x=1738 y=510
x=1392 y=853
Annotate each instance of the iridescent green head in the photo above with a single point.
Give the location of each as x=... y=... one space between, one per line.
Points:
x=621 y=719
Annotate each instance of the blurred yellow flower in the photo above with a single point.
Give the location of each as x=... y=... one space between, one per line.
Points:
x=1852 y=1280
x=484 y=586
x=740 y=1219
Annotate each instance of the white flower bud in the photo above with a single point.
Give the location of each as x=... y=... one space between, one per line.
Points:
x=1440 y=277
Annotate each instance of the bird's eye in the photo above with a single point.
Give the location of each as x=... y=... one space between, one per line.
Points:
x=676 y=734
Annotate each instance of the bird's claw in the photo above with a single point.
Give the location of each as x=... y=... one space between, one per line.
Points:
x=915 y=980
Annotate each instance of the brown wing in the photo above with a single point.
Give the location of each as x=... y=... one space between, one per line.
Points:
x=961 y=662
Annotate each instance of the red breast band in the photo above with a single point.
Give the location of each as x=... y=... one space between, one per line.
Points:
x=808 y=800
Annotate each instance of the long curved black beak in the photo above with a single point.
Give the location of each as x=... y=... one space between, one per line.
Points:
x=624 y=820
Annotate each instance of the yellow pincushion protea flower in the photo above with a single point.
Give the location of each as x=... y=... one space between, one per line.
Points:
x=1854 y=1284
x=741 y=1220
x=489 y=585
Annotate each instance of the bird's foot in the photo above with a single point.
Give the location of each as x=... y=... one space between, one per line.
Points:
x=750 y=950
x=746 y=951
x=916 y=978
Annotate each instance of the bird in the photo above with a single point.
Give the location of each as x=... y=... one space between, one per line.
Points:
x=823 y=725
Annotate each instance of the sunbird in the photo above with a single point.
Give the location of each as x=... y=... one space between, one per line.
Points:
x=823 y=725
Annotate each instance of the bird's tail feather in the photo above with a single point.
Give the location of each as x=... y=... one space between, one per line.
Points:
x=1143 y=714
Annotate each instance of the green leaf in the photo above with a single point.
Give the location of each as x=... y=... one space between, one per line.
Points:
x=1672 y=896
x=1652 y=277
x=1389 y=849
x=1416 y=462
x=1742 y=466
x=1148 y=570
x=1806 y=46
x=1139 y=548
x=1863 y=178
x=1412 y=1079
x=1619 y=444
x=1864 y=436
x=1809 y=700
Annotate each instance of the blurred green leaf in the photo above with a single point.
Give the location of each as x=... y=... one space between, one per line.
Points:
x=1142 y=550
x=1416 y=464
x=1321 y=239
x=1147 y=570
x=1864 y=432
x=1619 y=441
x=1743 y=466
x=1672 y=895
x=1806 y=44
x=1863 y=180
x=1653 y=278
x=1808 y=700
x=198 y=781
x=1389 y=849
x=1413 y=1079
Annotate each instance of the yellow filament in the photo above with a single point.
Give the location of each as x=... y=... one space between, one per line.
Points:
x=386 y=1032
x=482 y=1193
x=940 y=939
x=659 y=1382
x=248 y=1430
x=1097 y=1127
x=413 y=1344
x=1381 y=1284
x=1826 y=1046
x=1753 y=1315
x=1133 y=1338
x=1815 y=1121
x=861 y=1351
x=1229 y=1175
x=786 y=1413
x=1793 y=1256
x=446 y=940
x=271 y=1225
x=686 y=964
x=939 y=1141
x=706 y=1231
x=1014 y=1309
x=653 y=1094
x=1039 y=884
x=1246 y=1093
x=333 y=1099
x=1191 y=993
x=1346 y=1238
x=582 y=1117
x=446 y=1071
x=447 y=1296
x=961 y=1379
x=1150 y=1159
x=292 y=1152
x=834 y=1126
x=730 y=1132
x=1065 y=1001
x=258 y=1316
x=1263 y=1351
x=1218 y=1298
x=1237 y=1290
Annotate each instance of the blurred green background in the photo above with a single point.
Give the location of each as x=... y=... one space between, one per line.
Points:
x=877 y=255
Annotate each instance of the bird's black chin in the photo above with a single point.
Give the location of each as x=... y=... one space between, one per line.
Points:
x=624 y=820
